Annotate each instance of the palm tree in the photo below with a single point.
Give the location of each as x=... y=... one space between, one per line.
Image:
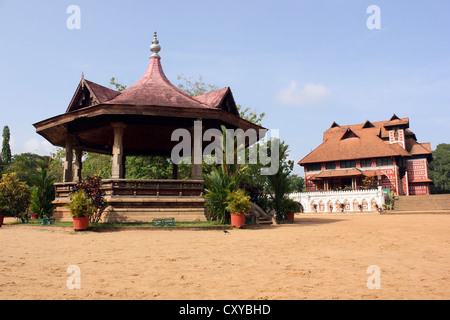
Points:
x=220 y=181
x=44 y=191
x=279 y=184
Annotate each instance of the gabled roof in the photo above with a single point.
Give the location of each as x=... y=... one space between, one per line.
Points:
x=415 y=148
x=349 y=133
x=221 y=99
x=89 y=93
x=368 y=124
x=334 y=125
x=379 y=125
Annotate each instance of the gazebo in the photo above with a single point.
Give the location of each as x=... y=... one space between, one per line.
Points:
x=139 y=120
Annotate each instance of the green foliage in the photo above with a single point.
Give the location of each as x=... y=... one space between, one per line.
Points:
x=14 y=195
x=80 y=206
x=6 y=150
x=43 y=191
x=25 y=165
x=119 y=87
x=219 y=182
x=56 y=167
x=369 y=183
x=195 y=87
x=250 y=115
x=440 y=168
x=278 y=184
x=96 y=164
x=148 y=167
x=296 y=183
x=238 y=202
x=92 y=187
x=291 y=205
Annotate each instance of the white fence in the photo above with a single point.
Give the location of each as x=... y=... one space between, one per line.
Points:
x=340 y=201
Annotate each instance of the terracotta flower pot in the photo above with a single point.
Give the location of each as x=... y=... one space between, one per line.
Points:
x=81 y=223
x=1 y=219
x=237 y=220
x=290 y=216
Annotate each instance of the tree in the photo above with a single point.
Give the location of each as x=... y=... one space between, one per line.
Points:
x=250 y=115
x=119 y=87
x=56 y=167
x=14 y=196
x=440 y=168
x=278 y=184
x=296 y=183
x=220 y=181
x=44 y=192
x=25 y=165
x=96 y=164
x=195 y=87
x=6 y=150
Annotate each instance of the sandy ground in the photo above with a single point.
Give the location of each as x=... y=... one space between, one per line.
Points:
x=318 y=257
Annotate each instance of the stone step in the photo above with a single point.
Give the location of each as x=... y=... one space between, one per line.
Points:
x=426 y=203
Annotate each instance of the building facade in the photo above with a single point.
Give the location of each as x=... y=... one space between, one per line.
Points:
x=368 y=155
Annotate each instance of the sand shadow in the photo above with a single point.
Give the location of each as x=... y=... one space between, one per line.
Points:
x=301 y=221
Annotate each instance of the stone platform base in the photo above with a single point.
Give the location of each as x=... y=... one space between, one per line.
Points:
x=143 y=209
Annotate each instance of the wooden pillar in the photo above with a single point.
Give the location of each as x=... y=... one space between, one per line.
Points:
x=117 y=170
x=197 y=153
x=78 y=164
x=68 y=174
x=124 y=167
x=174 y=171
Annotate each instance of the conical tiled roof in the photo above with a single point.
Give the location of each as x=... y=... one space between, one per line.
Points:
x=155 y=89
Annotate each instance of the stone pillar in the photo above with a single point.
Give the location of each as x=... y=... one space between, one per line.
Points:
x=68 y=174
x=197 y=150
x=117 y=169
x=78 y=164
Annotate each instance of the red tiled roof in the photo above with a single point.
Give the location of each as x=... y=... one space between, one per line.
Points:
x=366 y=145
x=213 y=98
x=420 y=180
x=102 y=93
x=155 y=89
x=364 y=140
x=373 y=173
x=416 y=148
x=338 y=173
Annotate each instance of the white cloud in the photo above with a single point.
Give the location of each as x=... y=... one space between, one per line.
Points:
x=41 y=147
x=310 y=94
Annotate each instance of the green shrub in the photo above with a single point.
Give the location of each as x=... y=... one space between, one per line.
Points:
x=238 y=202
x=80 y=205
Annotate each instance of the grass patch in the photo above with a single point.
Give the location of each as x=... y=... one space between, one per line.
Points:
x=118 y=225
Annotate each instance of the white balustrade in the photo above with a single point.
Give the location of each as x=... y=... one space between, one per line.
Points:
x=340 y=201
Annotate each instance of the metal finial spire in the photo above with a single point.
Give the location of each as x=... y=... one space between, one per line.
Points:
x=155 y=47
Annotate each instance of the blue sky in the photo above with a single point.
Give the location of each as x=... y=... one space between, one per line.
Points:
x=304 y=63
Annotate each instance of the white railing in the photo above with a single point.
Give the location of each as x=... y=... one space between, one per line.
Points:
x=340 y=201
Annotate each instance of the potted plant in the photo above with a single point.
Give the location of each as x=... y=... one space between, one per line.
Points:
x=238 y=204
x=2 y=210
x=291 y=208
x=80 y=209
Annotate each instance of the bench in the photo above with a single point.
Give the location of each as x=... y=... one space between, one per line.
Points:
x=46 y=221
x=169 y=222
